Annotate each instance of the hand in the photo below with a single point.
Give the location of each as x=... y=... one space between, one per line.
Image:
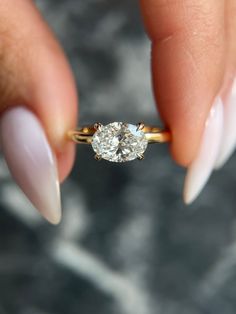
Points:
x=193 y=66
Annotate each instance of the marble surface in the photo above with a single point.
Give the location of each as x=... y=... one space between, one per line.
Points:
x=126 y=244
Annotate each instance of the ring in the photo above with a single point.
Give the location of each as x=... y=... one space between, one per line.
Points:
x=119 y=141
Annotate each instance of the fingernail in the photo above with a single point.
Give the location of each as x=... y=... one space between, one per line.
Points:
x=228 y=142
x=201 y=168
x=31 y=160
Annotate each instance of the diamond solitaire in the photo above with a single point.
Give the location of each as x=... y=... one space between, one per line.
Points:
x=119 y=142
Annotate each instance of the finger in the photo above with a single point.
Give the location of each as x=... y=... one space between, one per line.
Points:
x=187 y=65
x=228 y=142
x=34 y=73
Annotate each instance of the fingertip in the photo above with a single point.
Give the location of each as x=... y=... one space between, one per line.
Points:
x=183 y=149
x=182 y=158
x=66 y=161
x=54 y=99
x=57 y=108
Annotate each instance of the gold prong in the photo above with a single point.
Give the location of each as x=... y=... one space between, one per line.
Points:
x=140 y=157
x=97 y=157
x=140 y=126
x=97 y=126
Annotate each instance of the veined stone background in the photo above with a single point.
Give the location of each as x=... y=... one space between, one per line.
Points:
x=126 y=244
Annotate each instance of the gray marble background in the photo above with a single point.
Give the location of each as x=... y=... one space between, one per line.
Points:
x=127 y=244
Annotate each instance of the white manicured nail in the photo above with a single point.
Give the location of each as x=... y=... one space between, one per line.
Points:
x=31 y=160
x=228 y=142
x=201 y=168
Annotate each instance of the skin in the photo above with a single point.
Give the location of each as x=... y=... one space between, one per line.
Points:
x=193 y=61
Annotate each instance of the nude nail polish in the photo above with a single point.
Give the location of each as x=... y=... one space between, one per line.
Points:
x=31 y=161
x=201 y=168
x=228 y=142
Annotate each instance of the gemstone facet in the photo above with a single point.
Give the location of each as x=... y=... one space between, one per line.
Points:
x=119 y=142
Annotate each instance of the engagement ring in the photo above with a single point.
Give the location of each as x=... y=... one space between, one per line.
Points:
x=119 y=141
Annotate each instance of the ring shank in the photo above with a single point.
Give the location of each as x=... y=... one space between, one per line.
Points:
x=84 y=135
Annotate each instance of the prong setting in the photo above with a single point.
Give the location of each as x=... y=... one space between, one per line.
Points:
x=140 y=157
x=140 y=126
x=97 y=126
x=97 y=157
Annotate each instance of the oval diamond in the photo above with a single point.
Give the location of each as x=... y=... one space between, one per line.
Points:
x=119 y=142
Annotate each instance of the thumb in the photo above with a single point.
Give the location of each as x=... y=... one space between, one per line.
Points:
x=38 y=104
